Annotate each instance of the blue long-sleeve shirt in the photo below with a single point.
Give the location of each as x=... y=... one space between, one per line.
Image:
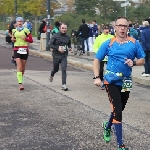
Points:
x=95 y=30
x=145 y=38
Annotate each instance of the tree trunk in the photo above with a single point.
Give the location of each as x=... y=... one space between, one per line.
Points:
x=35 y=31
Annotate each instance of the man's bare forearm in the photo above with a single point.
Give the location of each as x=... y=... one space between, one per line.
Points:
x=140 y=62
x=96 y=67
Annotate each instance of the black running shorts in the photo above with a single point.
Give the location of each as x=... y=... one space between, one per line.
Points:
x=21 y=56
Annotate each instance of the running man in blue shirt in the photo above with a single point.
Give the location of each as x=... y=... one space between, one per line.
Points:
x=121 y=51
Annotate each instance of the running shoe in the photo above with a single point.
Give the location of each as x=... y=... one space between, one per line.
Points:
x=88 y=53
x=64 y=88
x=81 y=52
x=145 y=75
x=51 y=79
x=21 y=87
x=122 y=147
x=12 y=60
x=106 y=133
x=75 y=52
x=15 y=63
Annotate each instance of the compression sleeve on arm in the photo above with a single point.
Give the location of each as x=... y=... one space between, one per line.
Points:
x=29 y=38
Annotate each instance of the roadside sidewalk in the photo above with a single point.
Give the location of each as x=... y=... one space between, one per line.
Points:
x=86 y=62
x=83 y=61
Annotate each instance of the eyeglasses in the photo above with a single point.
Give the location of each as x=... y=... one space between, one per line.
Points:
x=64 y=28
x=122 y=26
x=106 y=28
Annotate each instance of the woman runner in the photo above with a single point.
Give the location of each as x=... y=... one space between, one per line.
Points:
x=21 y=37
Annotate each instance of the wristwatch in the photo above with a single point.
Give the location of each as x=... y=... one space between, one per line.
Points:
x=134 y=63
x=96 y=77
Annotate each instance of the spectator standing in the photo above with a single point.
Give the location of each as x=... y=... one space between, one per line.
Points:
x=29 y=26
x=25 y=24
x=90 y=25
x=41 y=28
x=95 y=29
x=11 y=27
x=145 y=40
x=84 y=33
x=112 y=30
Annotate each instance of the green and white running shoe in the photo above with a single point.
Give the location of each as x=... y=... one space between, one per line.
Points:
x=122 y=148
x=106 y=133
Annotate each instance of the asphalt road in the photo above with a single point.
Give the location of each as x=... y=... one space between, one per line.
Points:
x=33 y=63
x=42 y=117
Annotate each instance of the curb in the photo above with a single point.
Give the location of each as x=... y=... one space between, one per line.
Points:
x=70 y=61
x=40 y=54
x=84 y=66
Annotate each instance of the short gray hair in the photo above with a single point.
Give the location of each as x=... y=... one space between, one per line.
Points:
x=145 y=23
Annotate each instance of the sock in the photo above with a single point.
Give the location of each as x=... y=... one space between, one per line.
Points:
x=109 y=124
x=118 y=132
x=19 y=77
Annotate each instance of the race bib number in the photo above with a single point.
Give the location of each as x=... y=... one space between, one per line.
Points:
x=127 y=85
x=22 y=51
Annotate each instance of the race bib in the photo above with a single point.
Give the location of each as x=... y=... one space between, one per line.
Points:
x=22 y=51
x=127 y=85
x=65 y=47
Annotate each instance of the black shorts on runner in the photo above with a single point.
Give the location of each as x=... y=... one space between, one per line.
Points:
x=21 y=56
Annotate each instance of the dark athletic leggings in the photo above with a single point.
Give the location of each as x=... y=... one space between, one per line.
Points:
x=117 y=99
x=63 y=62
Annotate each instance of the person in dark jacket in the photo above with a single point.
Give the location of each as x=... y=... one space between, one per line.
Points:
x=41 y=28
x=60 y=43
x=11 y=27
x=145 y=40
x=84 y=31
